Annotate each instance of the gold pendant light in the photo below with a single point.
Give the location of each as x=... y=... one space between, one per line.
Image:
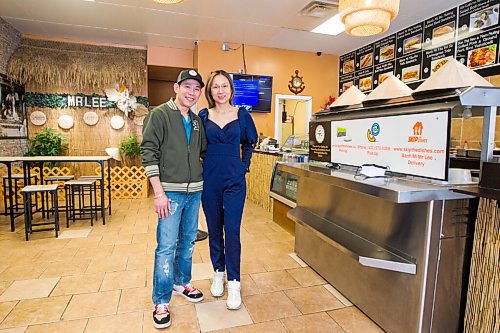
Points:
x=168 y=2
x=367 y=17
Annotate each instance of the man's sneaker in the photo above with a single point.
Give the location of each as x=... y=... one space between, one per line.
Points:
x=217 y=288
x=233 y=295
x=161 y=316
x=188 y=292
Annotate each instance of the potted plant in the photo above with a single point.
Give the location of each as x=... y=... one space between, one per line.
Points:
x=130 y=148
x=46 y=143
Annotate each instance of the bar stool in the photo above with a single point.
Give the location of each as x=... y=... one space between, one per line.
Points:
x=60 y=181
x=76 y=191
x=27 y=192
x=99 y=185
x=18 y=182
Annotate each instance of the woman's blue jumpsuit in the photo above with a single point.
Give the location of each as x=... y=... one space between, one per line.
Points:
x=224 y=187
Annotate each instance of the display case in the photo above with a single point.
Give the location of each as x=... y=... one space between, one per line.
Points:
x=284 y=186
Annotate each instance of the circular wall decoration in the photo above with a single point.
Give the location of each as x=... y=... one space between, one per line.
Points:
x=117 y=122
x=38 y=118
x=90 y=118
x=65 y=121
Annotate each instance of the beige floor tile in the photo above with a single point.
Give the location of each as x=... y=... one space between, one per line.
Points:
x=248 y=286
x=78 y=284
x=337 y=294
x=70 y=326
x=65 y=268
x=352 y=321
x=295 y=257
x=129 y=249
x=274 y=262
x=124 y=279
x=312 y=323
x=306 y=276
x=271 y=306
x=56 y=255
x=251 y=267
x=5 y=308
x=83 y=242
x=215 y=316
x=98 y=252
x=183 y=320
x=313 y=299
x=114 y=239
x=29 y=289
x=140 y=261
x=92 y=305
x=82 y=233
x=268 y=327
x=127 y=322
x=41 y=311
x=202 y=271
x=280 y=236
x=14 y=330
x=274 y=281
x=4 y=285
x=259 y=228
x=110 y=264
x=22 y=272
x=135 y=299
x=143 y=238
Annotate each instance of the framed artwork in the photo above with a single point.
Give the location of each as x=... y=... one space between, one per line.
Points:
x=13 y=120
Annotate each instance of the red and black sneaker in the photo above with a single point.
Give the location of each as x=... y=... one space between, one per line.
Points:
x=188 y=292
x=161 y=316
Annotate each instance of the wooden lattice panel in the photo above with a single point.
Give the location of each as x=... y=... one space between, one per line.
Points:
x=483 y=297
x=126 y=182
x=259 y=180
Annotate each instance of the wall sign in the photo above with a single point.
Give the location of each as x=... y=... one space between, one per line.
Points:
x=320 y=148
x=38 y=118
x=65 y=121
x=90 y=118
x=412 y=144
x=117 y=122
x=96 y=101
x=470 y=33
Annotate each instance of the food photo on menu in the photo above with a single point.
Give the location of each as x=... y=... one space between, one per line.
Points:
x=482 y=56
x=484 y=18
x=411 y=44
x=347 y=85
x=382 y=77
x=411 y=73
x=348 y=66
x=437 y=64
x=366 y=60
x=443 y=33
x=387 y=52
x=365 y=84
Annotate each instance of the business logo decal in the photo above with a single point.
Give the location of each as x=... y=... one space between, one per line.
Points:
x=319 y=134
x=373 y=132
x=418 y=130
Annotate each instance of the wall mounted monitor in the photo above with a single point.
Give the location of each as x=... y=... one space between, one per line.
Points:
x=254 y=92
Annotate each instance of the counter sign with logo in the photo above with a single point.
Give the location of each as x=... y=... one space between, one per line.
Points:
x=320 y=141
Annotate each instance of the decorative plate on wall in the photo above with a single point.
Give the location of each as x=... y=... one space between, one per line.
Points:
x=38 y=118
x=90 y=118
x=65 y=121
x=117 y=122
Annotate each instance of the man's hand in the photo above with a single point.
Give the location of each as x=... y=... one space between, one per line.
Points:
x=162 y=206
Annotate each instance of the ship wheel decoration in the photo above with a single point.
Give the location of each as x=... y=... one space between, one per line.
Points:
x=296 y=85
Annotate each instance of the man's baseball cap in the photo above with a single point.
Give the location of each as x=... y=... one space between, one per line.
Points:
x=190 y=74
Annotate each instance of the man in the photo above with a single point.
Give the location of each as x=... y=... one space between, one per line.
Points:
x=173 y=141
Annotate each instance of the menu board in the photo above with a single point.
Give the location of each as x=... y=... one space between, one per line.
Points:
x=469 y=33
x=411 y=144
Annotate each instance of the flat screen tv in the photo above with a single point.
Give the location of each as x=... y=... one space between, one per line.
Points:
x=254 y=92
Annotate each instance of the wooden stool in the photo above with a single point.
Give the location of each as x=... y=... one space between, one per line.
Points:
x=60 y=181
x=99 y=186
x=27 y=192
x=78 y=190
x=17 y=182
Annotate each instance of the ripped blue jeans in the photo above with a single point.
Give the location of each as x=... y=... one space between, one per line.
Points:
x=175 y=236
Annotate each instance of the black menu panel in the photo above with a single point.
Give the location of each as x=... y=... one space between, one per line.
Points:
x=469 y=33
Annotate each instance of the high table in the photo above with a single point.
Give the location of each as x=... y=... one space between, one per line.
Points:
x=7 y=161
x=28 y=160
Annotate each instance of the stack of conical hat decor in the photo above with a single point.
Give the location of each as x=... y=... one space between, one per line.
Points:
x=453 y=75
x=351 y=96
x=391 y=88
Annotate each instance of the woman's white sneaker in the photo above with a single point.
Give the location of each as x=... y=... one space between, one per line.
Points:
x=233 y=295
x=217 y=288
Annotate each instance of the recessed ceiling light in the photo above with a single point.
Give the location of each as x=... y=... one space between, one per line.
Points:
x=332 y=26
x=168 y=2
x=89 y=0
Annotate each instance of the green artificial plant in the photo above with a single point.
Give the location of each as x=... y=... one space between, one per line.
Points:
x=131 y=149
x=46 y=143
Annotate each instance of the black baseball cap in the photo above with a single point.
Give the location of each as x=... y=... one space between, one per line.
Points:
x=190 y=74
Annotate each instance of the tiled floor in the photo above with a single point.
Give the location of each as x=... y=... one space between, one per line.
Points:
x=98 y=279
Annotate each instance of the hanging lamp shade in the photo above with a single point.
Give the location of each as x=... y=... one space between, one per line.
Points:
x=168 y=1
x=367 y=17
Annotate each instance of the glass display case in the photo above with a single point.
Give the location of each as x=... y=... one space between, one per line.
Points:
x=297 y=144
x=284 y=187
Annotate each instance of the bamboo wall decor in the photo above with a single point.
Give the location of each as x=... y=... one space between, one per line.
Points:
x=259 y=180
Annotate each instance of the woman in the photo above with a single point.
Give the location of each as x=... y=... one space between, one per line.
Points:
x=229 y=131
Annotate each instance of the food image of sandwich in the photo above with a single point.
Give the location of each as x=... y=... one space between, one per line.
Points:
x=411 y=75
x=366 y=60
x=365 y=84
x=347 y=85
x=482 y=56
x=412 y=44
x=387 y=52
x=383 y=77
x=348 y=66
x=439 y=64
x=442 y=32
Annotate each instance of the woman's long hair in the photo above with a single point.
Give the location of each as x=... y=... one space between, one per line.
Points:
x=208 y=89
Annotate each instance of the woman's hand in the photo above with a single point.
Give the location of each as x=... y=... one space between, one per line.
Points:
x=162 y=206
